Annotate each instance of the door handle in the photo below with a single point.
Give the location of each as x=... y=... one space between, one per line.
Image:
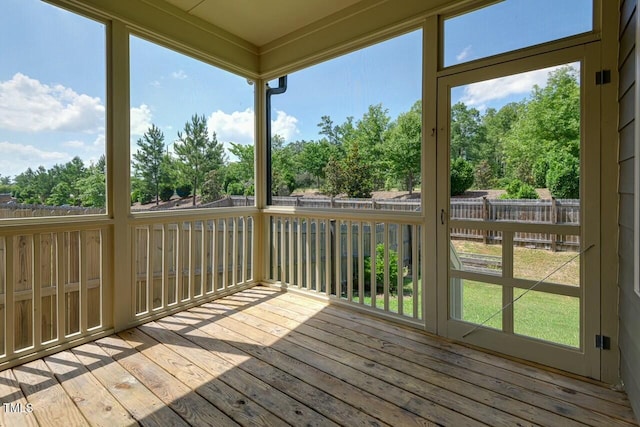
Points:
x=442 y=216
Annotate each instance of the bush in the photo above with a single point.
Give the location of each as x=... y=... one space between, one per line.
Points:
x=212 y=186
x=483 y=176
x=563 y=176
x=235 y=189
x=461 y=176
x=393 y=270
x=166 y=192
x=517 y=189
x=183 y=190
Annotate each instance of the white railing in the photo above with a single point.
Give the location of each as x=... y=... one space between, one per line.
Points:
x=373 y=264
x=178 y=262
x=52 y=288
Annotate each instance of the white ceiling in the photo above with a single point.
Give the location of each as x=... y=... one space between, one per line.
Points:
x=261 y=21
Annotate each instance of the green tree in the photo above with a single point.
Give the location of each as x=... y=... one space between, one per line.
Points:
x=370 y=134
x=357 y=174
x=148 y=160
x=239 y=175
x=403 y=147
x=461 y=176
x=93 y=186
x=283 y=167
x=314 y=157
x=498 y=124
x=198 y=154
x=548 y=123
x=468 y=134
x=334 y=177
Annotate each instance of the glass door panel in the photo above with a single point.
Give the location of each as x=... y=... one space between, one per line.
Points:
x=516 y=138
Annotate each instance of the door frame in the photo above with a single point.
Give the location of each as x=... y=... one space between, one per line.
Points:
x=585 y=360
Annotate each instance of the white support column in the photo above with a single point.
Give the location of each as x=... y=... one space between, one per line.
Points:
x=118 y=154
x=261 y=249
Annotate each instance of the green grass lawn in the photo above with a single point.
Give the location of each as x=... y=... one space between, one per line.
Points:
x=554 y=318
x=407 y=299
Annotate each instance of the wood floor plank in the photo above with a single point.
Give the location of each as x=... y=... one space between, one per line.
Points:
x=583 y=394
x=13 y=401
x=381 y=410
x=325 y=404
x=333 y=332
x=486 y=413
x=97 y=405
x=303 y=334
x=51 y=405
x=193 y=408
x=142 y=404
x=267 y=357
x=284 y=355
x=236 y=405
x=203 y=352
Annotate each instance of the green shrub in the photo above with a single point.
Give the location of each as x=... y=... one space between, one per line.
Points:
x=517 y=189
x=461 y=176
x=563 y=176
x=183 y=190
x=235 y=189
x=380 y=267
x=166 y=192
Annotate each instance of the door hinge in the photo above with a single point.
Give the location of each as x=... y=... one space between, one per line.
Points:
x=603 y=77
x=603 y=342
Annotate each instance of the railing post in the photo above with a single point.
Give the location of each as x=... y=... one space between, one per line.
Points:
x=554 y=220
x=485 y=217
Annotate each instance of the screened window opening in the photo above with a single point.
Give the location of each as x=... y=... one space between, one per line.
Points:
x=346 y=133
x=192 y=132
x=52 y=112
x=513 y=24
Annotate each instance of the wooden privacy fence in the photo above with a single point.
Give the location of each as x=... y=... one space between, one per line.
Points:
x=543 y=211
x=20 y=210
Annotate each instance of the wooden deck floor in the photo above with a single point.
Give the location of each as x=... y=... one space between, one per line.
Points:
x=266 y=358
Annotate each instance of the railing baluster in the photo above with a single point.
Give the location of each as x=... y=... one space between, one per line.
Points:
x=415 y=260
x=360 y=262
x=400 y=266
x=373 y=262
x=349 y=260
x=9 y=322
x=37 y=301
x=291 y=256
x=234 y=262
x=386 y=267
x=327 y=256
x=84 y=283
x=317 y=254
x=151 y=243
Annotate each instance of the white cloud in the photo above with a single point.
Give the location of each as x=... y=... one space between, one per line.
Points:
x=477 y=94
x=236 y=127
x=73 y=144
x=285 y=126
x=24 y=156
x=27 y=105
x=140 y=119
x=464 y=54
x=179 y=75
x=239 y=126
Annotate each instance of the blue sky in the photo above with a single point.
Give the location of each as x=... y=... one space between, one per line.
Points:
x=52 y=80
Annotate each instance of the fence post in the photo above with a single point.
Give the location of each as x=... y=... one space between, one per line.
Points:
x=485 y=217
x=333 y=202
x=554 y=220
